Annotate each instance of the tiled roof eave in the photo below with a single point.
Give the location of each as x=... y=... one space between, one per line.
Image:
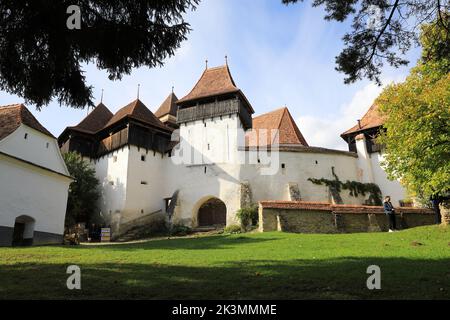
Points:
x=299 y=148
x=221 y=93
x=359 y=130
x=127 y=118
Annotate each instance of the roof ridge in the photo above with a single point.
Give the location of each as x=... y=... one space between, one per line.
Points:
x=231 y=77
x=295 y=127
x=371 y=119
x=279 y=125
x=212 y=82
x=168 y=106
x=198 y=81
x=12 y=116
x=130 y=110
x=266 y=113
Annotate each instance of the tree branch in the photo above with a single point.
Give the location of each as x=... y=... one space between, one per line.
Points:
x=394 y=6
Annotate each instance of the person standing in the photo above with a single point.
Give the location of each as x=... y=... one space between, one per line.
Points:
x=435 y=200
x=390 y=213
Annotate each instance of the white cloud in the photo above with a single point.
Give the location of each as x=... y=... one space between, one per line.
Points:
x=324 y=131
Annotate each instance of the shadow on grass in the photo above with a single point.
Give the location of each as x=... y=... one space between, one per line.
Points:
x=341 y=278
x=188 y=243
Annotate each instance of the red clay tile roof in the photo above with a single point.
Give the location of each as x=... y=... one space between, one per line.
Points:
x=371 y=119
x=337 y=208
x=168 y=106
x=138 y=111
x=11 y=116
x=214 y=81
x=95 y=120
x=281 y=120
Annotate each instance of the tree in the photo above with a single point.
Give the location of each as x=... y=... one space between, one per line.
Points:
x=382 y=31
x=417 y=120
x=41 y=58
x=83 y=192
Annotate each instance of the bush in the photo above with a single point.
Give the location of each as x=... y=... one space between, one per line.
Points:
x=180 y=230
x=232 y=229
x=248 y=216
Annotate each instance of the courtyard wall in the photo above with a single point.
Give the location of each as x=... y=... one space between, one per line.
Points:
x=322 y=217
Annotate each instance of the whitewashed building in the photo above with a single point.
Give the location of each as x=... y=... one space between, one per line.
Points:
x=34 y=180
x=201 y=158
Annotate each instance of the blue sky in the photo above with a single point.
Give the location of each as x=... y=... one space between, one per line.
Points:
x=278 y=55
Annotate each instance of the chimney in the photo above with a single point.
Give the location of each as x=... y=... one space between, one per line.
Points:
x=359 y=123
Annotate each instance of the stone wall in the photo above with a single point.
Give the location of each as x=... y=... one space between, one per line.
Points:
x=153 y=222
x=445 y=212
x=304 y=217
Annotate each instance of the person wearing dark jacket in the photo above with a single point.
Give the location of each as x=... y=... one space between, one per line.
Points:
x=390 y=213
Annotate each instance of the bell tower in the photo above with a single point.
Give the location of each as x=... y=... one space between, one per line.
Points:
x=213 y=117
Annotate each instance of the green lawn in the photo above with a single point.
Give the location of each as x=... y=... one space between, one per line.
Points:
x=415 y=264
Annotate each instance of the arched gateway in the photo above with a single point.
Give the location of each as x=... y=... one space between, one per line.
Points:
x=23 y=231
x=212 y=212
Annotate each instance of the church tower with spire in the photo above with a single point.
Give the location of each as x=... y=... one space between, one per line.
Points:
x=211 y=116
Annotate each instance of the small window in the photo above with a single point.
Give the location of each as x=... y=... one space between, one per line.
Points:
x=142 y=157
x=205 y=169
x=47 y=145
x=142 y=210
x=259 y=160
x=208 y=147
x=283 y=166
x=143 y=182
x=204 y=124
x=317 y=162
x=114 y=158
x=25 y=136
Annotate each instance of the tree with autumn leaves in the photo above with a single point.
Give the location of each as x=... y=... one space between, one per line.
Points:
x=417 y=119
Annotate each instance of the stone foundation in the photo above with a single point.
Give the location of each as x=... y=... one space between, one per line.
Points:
x=153 y=222
x=39 y=238
x=445 y=212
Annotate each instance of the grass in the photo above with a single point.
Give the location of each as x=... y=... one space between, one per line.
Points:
x=415 y=264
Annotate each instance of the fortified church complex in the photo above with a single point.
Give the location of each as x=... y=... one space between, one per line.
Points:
x=200 y=158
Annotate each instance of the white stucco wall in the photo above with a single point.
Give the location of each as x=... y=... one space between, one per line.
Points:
x=388 y=187
x=299 y=167
x=213 y=173
x=37 y=148
x=112 y=170
x=29 y=190
x=369 y=165
x=142 y=199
